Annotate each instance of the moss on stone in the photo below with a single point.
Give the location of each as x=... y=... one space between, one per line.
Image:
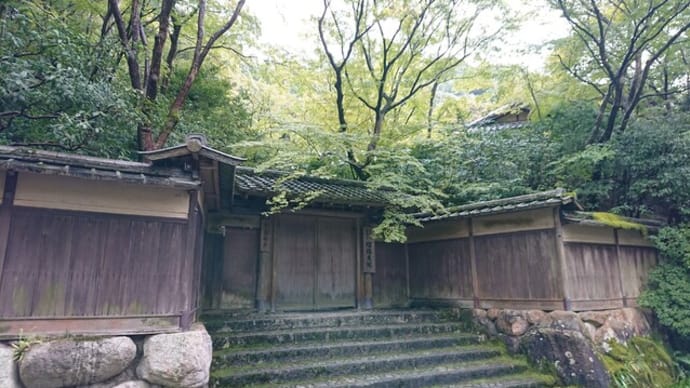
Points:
x=642 y=362
x=618 y=222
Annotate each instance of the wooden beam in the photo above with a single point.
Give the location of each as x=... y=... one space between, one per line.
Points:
x=15 y=328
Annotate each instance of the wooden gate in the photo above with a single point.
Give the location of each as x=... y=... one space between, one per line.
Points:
x=314 y=262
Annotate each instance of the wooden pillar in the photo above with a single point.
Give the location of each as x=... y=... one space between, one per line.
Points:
x=407 y=272
x=6 y=216
x=560 y=257
x=473 y=265
x=624 y=297
x=368 y=267
x=264 y=274
x=192 y=287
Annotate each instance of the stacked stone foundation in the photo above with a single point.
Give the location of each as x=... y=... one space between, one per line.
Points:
x=566 y=341
x=161 y=360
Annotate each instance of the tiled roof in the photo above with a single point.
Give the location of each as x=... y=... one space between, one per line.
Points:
x=89 y=167
x=491 y=118
x=505 y=205
x=335 y=191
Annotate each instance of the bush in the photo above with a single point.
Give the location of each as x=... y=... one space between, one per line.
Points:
x=668 y=288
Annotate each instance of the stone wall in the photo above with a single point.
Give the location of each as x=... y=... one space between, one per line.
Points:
x=162 y=360
x=564 y=340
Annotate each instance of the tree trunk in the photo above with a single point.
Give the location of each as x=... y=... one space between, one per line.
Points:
x=430 y=113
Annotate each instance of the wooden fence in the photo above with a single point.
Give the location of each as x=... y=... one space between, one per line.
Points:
x=518 y=260
x=76 y=269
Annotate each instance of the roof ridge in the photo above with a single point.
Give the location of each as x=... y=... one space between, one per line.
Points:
x=313 y=178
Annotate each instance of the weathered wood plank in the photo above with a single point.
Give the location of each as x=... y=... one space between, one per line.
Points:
x=588 y=234
x=592 y=272
x=433 y=231
x=519 y=265
x=66 y=193
x=15 y=328
x=440 y=270
x=335 y=252
x=240 y=253
x=294 y=253
x=390 y=279
x=84 y=264
x=633 y=238
x=513 y=222
x=635 y=265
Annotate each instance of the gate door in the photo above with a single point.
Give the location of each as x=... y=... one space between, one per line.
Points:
x=315 y=262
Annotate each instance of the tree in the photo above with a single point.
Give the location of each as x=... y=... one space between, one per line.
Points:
x=145 y=76
x=384 y=53
x=57 y=88
x=623 y=43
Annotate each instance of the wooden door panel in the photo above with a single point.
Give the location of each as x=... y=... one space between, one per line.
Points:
x=294 y=253
x=240 y=252
x=337 y=246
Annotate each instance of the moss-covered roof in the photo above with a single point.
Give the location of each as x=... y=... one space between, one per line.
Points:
x=334 y=191
x=612 y=220
x=542 y=199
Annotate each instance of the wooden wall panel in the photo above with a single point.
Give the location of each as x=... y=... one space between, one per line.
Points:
x=513 y=222
x=633 y=238
x=588 y=234
x=518 y=266
x=593 y=276
x=241 y=250
x=635 y=264
x=65 y=264
x=294 y=254
x=67 y=193
x=390 y=279
x=336 y=251
x=442 y=230
x=212 y=274
x=440 y=270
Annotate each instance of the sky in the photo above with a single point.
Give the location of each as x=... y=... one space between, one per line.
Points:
x=287 y=24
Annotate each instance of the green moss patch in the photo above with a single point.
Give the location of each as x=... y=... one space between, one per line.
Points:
x=618 y=222
x=643 y=362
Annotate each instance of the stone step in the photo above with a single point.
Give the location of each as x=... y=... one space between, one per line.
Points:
x=230 y=357
x=227 y=340
x=319 y=368
x=252 y=322
x=447 y=374
x=525 y=380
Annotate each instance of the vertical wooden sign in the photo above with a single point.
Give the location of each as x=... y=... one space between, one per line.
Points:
x=369 y=256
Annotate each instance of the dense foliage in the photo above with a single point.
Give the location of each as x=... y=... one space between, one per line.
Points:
x=669 y=284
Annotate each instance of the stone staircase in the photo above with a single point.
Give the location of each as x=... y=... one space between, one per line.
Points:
x=405 y=348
